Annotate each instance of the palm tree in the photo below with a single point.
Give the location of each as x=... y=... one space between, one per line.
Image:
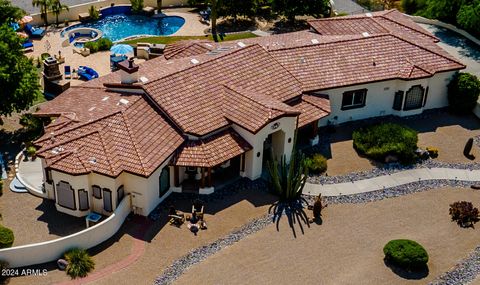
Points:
x=287 y=181
x=213 y=17
x=159 y=6
x=57 y=8
x=44 y=6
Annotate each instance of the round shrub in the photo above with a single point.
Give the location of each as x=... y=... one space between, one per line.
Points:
x=405 y=253
x=80 y=263
x=463 y=92
x=6 y=237
x=379 y=141
x=316 y=164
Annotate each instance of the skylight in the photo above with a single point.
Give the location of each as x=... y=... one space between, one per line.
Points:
x=315 y=41
x=194 y=61
x=143 y=79
x=241 y=44
x=105 y=98
x=123 y=101
x=365 y=34
x=368 y=14
x=91 y=109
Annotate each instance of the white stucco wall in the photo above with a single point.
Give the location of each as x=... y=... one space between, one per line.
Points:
x=42 y=252
x=253 y=163
x=380 y=97
x=145 y=191
x=72 y=14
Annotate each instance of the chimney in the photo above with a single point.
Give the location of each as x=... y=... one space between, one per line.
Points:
x=128 y=71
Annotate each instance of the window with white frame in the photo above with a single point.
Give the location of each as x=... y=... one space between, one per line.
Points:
x=354 y=99
x=414 y=98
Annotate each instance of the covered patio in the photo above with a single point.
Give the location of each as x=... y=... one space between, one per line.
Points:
x=201 y=165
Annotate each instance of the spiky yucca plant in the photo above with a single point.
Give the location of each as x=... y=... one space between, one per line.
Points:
x=80 y=263
x=287 y=181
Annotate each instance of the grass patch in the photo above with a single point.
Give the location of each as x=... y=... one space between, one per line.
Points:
x=173 y=39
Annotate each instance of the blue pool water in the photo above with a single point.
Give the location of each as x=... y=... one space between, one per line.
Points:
x=118 y=23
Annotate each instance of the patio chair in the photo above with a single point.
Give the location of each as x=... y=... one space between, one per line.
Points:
x=34 y=32
x=27 y=46
x=87 y=73
x=68 y=72
x=198 y=208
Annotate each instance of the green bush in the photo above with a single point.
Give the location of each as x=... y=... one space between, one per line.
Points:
x=316 y=164
x=379 y=141
x=100 y=45
x=80 y=263
x=463 y=92
x=405 y=253
x=31 y=151
x=412 y=6
x=93 y=13
x=137 y=6
x=6 y=237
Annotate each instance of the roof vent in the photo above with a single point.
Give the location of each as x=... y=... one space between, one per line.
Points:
x=143 y=79
x=57 y=150
x=241 y=44
x=368 y=14
x=91 y=109
x=123 y=101
x=92 y=160
x=302 y=60
x=315 y=41
x=194 y=61
x=365 y=34
x=105 y=98
x=208 y=45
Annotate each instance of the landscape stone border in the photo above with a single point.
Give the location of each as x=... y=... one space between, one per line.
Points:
x=462 y=273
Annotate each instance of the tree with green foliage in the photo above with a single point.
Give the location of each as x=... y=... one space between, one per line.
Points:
x=234 y=8
x=18 y=76
x=412 y=6
x=463 y=92
x=44 y=5
x=137 y=6
x=57 y=8
x=468 y=17
x=93 y=13
x=292 y=8
x=9 y=13
x=443 y=10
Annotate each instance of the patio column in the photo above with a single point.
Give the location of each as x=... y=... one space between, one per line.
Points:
x=202 y=184
x=315 y=128
x=209 y=177
x=176 y=178
x=242 y=162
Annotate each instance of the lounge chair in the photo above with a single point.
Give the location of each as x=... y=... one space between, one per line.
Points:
x=34 y=32
x=27 y=46
x=68 y=72
x=87 y=73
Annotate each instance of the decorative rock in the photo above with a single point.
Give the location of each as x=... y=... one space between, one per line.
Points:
x=62 y=264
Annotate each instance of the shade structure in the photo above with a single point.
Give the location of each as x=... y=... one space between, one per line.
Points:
x=25 y=19
x=121 y=49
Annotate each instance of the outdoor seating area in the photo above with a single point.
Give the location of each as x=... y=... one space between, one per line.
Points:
x=195 y=219
x=34 y=32
x=86 y=73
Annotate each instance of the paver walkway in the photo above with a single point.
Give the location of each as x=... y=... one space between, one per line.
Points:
x=392 y=180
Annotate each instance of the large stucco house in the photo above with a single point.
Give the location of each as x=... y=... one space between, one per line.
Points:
x=205 y=112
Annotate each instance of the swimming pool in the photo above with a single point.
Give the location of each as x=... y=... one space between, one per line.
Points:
x=118 y=23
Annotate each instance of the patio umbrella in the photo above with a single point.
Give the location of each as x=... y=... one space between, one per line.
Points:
x=26 y=19
x=121 y=49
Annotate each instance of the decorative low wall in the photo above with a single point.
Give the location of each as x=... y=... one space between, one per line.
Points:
x=422 y=20
x=72 y=14
x=42 y=252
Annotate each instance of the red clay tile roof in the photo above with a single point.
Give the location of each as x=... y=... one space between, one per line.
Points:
x=382 y=22
x=211 y=151
x=312 y=108
x=193 y=97
x=370 y=59
x=253 y=111
x=135 y=139
x=187 y=48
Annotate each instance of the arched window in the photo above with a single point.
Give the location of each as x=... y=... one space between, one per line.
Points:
x=414 y=98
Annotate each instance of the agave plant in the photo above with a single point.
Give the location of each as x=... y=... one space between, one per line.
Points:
x=287 y=181
x=80 y=263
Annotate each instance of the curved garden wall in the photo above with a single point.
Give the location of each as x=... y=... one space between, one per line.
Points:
x=42 y=252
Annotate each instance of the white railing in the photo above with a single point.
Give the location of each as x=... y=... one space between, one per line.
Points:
x=47 y=251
